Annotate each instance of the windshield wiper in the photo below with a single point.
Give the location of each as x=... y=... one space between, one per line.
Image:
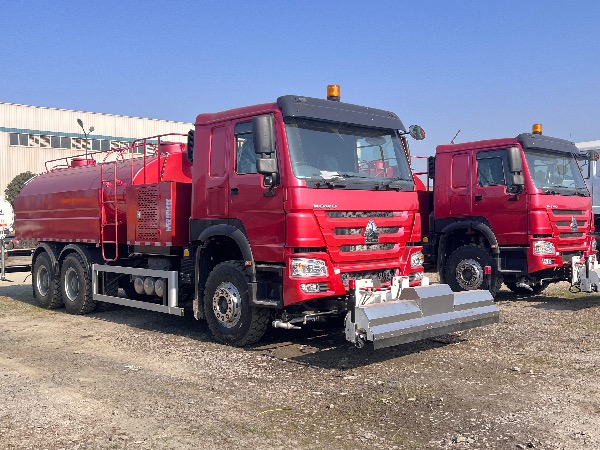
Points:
x=353 y=175
x=396 y=183
x=334 y=182
x=558 y=190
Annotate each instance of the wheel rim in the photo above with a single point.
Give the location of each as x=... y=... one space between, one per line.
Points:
x=71 y=284
x=42 y=281
x=227 y=305
x=469 y=274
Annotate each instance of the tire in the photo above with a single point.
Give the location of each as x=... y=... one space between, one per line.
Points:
x=76 y=285
x=537 y=289
x=231 y=319
x=46 y=289
x=465 y=270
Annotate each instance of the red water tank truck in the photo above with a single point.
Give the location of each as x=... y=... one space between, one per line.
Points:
x=276 y=214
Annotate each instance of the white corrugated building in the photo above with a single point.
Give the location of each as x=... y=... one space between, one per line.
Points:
x=32 y=135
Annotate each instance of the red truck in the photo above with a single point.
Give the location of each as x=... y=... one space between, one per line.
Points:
x=519 y=205
x=281 y=213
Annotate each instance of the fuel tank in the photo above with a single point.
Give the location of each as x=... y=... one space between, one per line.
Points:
x=72 y=200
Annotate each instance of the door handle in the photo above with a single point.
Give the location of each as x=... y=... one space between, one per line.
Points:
x=478 y=197
x=235 y=191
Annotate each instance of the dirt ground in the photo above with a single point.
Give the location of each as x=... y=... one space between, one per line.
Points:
x=133 y=379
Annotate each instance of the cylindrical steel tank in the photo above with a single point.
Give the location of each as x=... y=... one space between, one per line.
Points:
x=71 y=203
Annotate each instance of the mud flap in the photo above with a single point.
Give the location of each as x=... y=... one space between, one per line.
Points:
x=419 y=313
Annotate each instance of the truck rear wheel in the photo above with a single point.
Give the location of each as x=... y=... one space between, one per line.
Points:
x=231 y=319
x=465 y=270
x=76 y=285
x=46 y=288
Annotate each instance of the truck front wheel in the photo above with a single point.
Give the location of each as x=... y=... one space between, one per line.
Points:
x=465 y=270
x=76 y=285
x=231 y=319
x=46 y=289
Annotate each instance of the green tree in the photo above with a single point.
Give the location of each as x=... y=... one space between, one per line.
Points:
x=14 y=187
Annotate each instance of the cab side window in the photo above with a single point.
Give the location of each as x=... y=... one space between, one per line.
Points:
x=491 y=168
x=245 y=156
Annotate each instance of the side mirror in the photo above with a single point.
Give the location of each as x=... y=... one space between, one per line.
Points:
x=190 y=146
x=515 y=163
x=416 y=132
x=515 y=166
x=431 y=167
x=263 y=131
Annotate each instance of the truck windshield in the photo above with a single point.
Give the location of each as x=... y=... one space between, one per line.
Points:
x=329 y=154
x=555 y=172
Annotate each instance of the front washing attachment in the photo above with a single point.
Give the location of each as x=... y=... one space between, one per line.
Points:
x=401 y=314
x=585 y=273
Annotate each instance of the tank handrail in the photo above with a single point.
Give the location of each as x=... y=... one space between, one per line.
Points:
x=143 y=142
x=90 y=155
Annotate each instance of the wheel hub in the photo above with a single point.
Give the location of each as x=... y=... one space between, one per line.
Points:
x=227 y=305
x=43 y=281
x=469 y=274
x=71 y=284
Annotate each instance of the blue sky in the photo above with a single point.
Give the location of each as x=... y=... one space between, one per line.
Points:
x=490 y=69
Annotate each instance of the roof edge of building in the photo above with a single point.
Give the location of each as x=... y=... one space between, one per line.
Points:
x=91 y=112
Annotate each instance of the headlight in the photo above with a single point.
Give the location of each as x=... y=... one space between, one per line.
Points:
x=594 y=244
x=416 y=259
x=306 y=267
x=543 y=248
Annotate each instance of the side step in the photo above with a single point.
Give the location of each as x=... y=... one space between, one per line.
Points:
x=170 y=299
x=419 y=313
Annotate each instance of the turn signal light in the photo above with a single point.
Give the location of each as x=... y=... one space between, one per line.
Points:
x=333 y=92
x=536 y=128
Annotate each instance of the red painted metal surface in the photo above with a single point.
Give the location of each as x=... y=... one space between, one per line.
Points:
x=87 y=202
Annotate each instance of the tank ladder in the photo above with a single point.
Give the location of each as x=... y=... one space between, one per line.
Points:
x=110 y=182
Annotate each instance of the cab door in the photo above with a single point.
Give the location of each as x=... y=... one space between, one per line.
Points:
x=259 y=209
x=506 y=212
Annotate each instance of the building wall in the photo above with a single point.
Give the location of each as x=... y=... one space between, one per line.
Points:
x=37 y=131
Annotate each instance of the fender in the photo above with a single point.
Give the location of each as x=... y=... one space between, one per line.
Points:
x=52 y=252
x=479 y=225
x=201 y=231
x=83 y=252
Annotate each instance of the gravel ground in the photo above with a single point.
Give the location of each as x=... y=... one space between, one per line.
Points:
x=132 y=379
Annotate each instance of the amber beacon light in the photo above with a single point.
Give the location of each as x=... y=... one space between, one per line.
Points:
x=333 y=92
x=536 y=128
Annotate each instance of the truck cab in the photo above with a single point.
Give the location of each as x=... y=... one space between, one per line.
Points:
x=519 y=205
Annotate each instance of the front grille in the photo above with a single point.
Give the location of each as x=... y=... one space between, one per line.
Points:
x=347 y=231
x=367 y=247
x=378 y=276
x=570 y=235
x=566 y=212
x=309 y=249
x=357 y=231
x=358 y=214
x=568 y=223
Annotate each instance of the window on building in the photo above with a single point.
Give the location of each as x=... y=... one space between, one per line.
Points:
x=19 y=139
x=60 y=142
